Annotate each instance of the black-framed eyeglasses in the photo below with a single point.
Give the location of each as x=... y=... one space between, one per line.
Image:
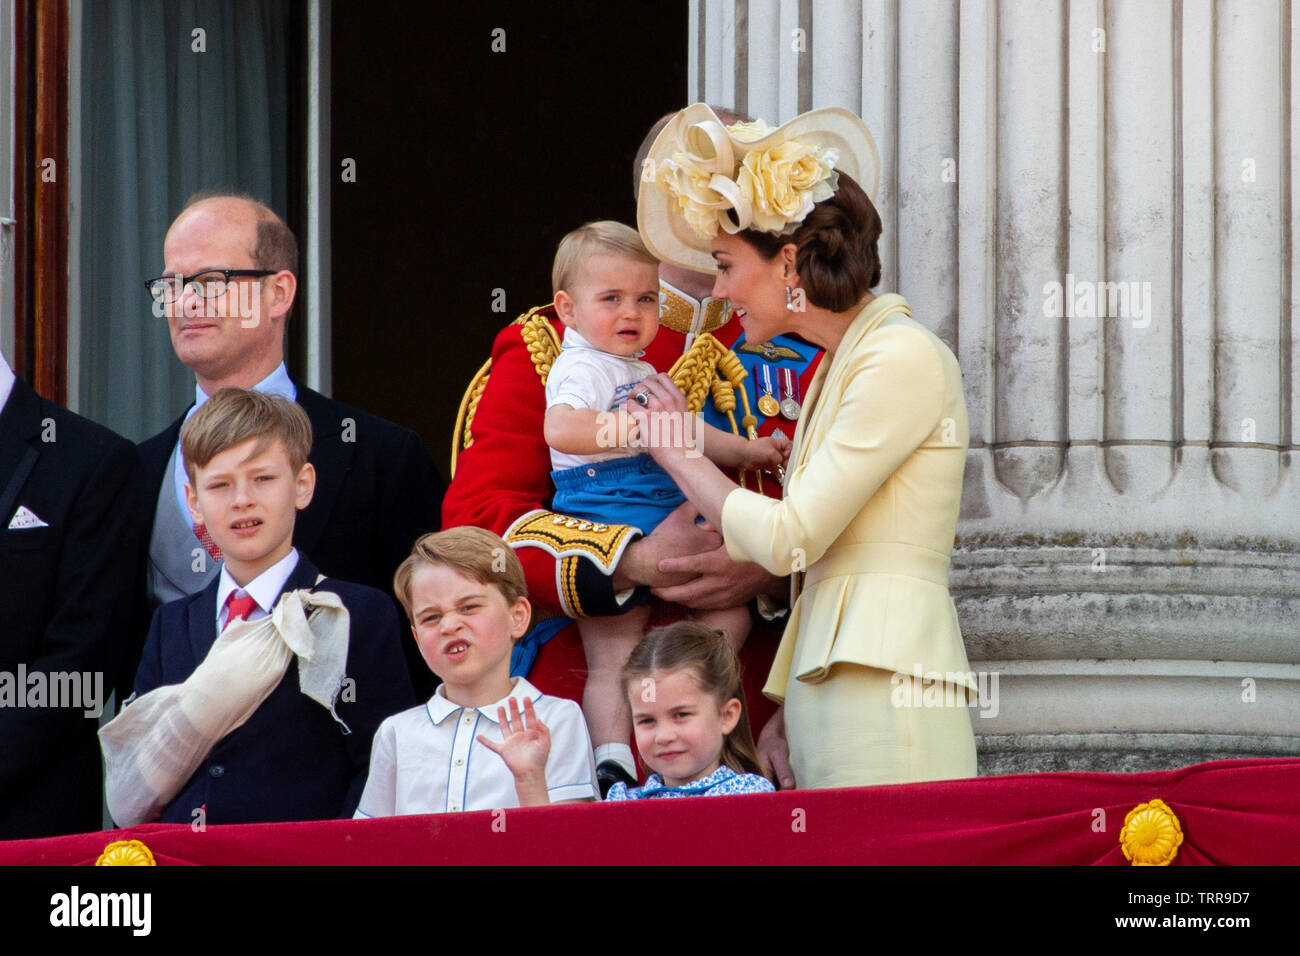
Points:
x=210 y=284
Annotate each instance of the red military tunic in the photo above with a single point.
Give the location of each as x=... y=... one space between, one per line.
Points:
x=504 y=471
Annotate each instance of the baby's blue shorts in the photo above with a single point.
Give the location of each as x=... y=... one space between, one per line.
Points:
x=633 y=491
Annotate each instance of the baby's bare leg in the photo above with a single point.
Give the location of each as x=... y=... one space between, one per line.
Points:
x=607 y=642
x=731 y=621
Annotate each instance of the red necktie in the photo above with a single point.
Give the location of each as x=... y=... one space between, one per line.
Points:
x=205 y=539
x=239 y=607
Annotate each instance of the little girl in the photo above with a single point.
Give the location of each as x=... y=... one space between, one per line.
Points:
x=688 y=713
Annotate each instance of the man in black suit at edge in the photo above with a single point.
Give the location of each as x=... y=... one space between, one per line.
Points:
x=68 y=544
x=227 y=291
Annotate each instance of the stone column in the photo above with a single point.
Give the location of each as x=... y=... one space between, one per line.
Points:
x=1091 y=202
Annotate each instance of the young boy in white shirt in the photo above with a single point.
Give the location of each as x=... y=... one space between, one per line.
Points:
x=464 y=591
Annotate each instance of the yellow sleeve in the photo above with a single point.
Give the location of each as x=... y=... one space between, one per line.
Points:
x=889 y=404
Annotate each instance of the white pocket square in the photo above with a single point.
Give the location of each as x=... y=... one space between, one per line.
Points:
x=25 y=518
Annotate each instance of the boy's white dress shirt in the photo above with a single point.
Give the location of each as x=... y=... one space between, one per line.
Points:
x=428 y=759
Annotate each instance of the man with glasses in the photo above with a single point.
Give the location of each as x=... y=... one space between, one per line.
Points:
x=227 y=291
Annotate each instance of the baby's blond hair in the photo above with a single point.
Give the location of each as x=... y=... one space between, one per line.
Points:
x=603 y=237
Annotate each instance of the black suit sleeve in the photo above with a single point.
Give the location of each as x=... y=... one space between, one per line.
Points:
x=86 y=631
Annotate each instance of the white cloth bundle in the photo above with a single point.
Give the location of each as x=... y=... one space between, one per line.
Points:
x=157 y=742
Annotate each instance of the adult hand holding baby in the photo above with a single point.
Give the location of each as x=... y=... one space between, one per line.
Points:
x=679 y=534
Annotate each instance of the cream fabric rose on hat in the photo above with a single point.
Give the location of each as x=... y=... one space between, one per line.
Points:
x=782 y=184
x=688 y=183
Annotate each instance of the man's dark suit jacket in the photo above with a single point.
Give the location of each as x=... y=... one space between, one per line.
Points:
x=377 y=490
x=291 y=760
x=65 y=593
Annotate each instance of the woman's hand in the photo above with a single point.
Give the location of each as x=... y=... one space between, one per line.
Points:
x=665 y=427
x=774 y=751
x=673 y=436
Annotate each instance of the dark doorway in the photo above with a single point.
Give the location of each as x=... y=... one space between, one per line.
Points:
x=471 y=164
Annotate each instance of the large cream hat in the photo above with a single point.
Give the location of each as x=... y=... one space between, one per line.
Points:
x=701 y=174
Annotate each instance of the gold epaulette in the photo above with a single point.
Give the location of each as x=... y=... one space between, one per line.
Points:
x=540 y=338
x=543 y=346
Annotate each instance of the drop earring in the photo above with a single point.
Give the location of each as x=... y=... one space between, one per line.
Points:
x=789 y=299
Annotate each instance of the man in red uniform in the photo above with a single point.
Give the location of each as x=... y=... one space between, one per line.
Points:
x=502 y=482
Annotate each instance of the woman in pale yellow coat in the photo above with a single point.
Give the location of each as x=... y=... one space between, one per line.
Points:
x=872 y=671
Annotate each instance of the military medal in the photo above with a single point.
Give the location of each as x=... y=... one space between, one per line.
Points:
x=767 y=403
x=790 y=402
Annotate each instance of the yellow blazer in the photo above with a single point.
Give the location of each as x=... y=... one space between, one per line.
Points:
x=870 y=507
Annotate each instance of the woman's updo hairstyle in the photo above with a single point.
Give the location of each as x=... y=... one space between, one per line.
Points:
x=837 y=258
